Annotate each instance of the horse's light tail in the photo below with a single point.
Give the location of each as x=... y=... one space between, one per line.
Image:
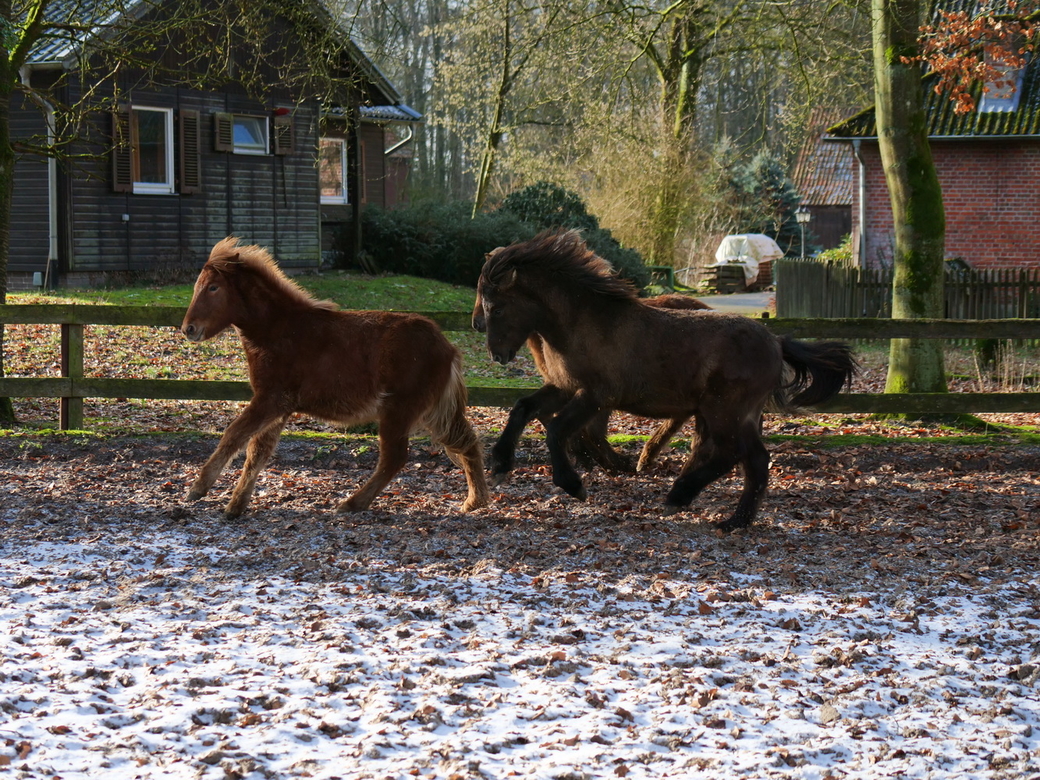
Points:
x=448 y=427
x=446 y=420
x=818 y=371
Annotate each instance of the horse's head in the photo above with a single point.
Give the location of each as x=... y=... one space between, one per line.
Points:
x=213 y=301
x=507 y=313
x=477 y=319
x=207 y=315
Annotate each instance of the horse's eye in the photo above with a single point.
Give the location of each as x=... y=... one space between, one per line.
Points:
x=213 y=288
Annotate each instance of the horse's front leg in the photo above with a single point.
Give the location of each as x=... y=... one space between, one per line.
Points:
x=571 y=419
x=592 y=443
x=255 y=417
x=547 y=400
x=258 y=453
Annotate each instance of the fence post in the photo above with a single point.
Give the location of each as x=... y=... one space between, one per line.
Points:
x=71 y=410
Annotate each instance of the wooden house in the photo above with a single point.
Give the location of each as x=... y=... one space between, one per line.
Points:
x=167 y=169
x=988 y=163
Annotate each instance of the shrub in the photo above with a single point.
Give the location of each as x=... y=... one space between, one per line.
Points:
x=547 y=206
x=436 y=240
x=441 y=241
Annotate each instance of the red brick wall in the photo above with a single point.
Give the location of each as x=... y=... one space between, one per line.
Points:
x=991 y=191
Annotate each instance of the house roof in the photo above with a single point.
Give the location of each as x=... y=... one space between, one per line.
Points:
x=60 y=48
x=943 y=123
x=823 y=172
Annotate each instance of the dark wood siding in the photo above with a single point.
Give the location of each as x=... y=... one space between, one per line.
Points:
x=374 y=163
x=30 y=210
x=269 y=199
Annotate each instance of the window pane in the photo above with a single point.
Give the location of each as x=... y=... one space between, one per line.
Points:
x=250 y=133
x=151 y=147
x=331 y=169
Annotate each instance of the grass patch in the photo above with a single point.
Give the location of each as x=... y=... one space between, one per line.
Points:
x=350 y=290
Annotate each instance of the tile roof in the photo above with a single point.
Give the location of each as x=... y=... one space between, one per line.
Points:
x=823 y=172
x=1023 y=122
x=60 y=45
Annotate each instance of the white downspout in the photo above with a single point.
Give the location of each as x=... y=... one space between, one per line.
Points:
x=862 y=203
x=52 y=179
x=402 y=142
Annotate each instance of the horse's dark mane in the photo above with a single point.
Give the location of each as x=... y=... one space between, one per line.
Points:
x=228 y=256
x=563 y=255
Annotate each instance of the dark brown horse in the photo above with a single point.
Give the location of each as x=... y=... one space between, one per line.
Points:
x=344 y=367
x=721 y=369
x=559 y=388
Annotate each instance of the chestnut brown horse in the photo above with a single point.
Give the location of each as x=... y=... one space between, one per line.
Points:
x=345 y=367
x=721 y=369
x=559 y=387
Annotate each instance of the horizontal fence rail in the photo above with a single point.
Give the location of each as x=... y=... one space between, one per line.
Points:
x=72 y=387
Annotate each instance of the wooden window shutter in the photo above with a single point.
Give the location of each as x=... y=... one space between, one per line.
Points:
x=284 y=135
x=122 y=151
x=223 y=132
x=190 y=142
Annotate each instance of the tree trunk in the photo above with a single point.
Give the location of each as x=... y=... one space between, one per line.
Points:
x=680 y=75
x=915 y=365
x=6 y=192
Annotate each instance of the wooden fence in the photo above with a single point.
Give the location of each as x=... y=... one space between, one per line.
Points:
x=805 y=288
x=72 y=386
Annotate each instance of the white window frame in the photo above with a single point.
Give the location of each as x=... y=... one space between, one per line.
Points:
x=154 y=188
x=345 y=197
x=257 y=121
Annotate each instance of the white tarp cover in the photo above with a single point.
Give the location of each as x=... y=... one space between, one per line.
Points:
x=747 y=249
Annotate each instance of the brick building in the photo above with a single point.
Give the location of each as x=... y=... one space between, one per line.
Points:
x=988 y=163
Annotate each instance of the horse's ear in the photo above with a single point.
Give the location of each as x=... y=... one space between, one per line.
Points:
x=509 y=280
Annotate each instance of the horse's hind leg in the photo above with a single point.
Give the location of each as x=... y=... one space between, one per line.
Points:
x=252 y=419
x=393 y=454
x=258 y=453
x=756 y=479
x=658 y=441
x=463 y=446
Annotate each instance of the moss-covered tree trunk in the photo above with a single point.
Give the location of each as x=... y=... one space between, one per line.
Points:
x=8 y=74
x=915 y=365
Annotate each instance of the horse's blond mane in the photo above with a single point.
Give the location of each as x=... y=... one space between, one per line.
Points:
x=565 y=257
x=228 y=256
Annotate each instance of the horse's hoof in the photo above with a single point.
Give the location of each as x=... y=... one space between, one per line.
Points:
x=671 y=509
x=349 y=506
x=733 y=524
x=498 y=478
x=194 y=495
x=579 y=492
x=469 y=506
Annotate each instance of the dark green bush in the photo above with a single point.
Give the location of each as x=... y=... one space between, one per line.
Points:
x=441 y=241
x=547 y=206
x=436 y=240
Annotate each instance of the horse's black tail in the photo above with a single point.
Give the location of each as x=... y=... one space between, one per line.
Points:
x=819 y=371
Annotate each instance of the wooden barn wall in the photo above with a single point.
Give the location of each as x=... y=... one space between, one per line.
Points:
x=265 y=199
x=30 y=209
x=373 y=142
